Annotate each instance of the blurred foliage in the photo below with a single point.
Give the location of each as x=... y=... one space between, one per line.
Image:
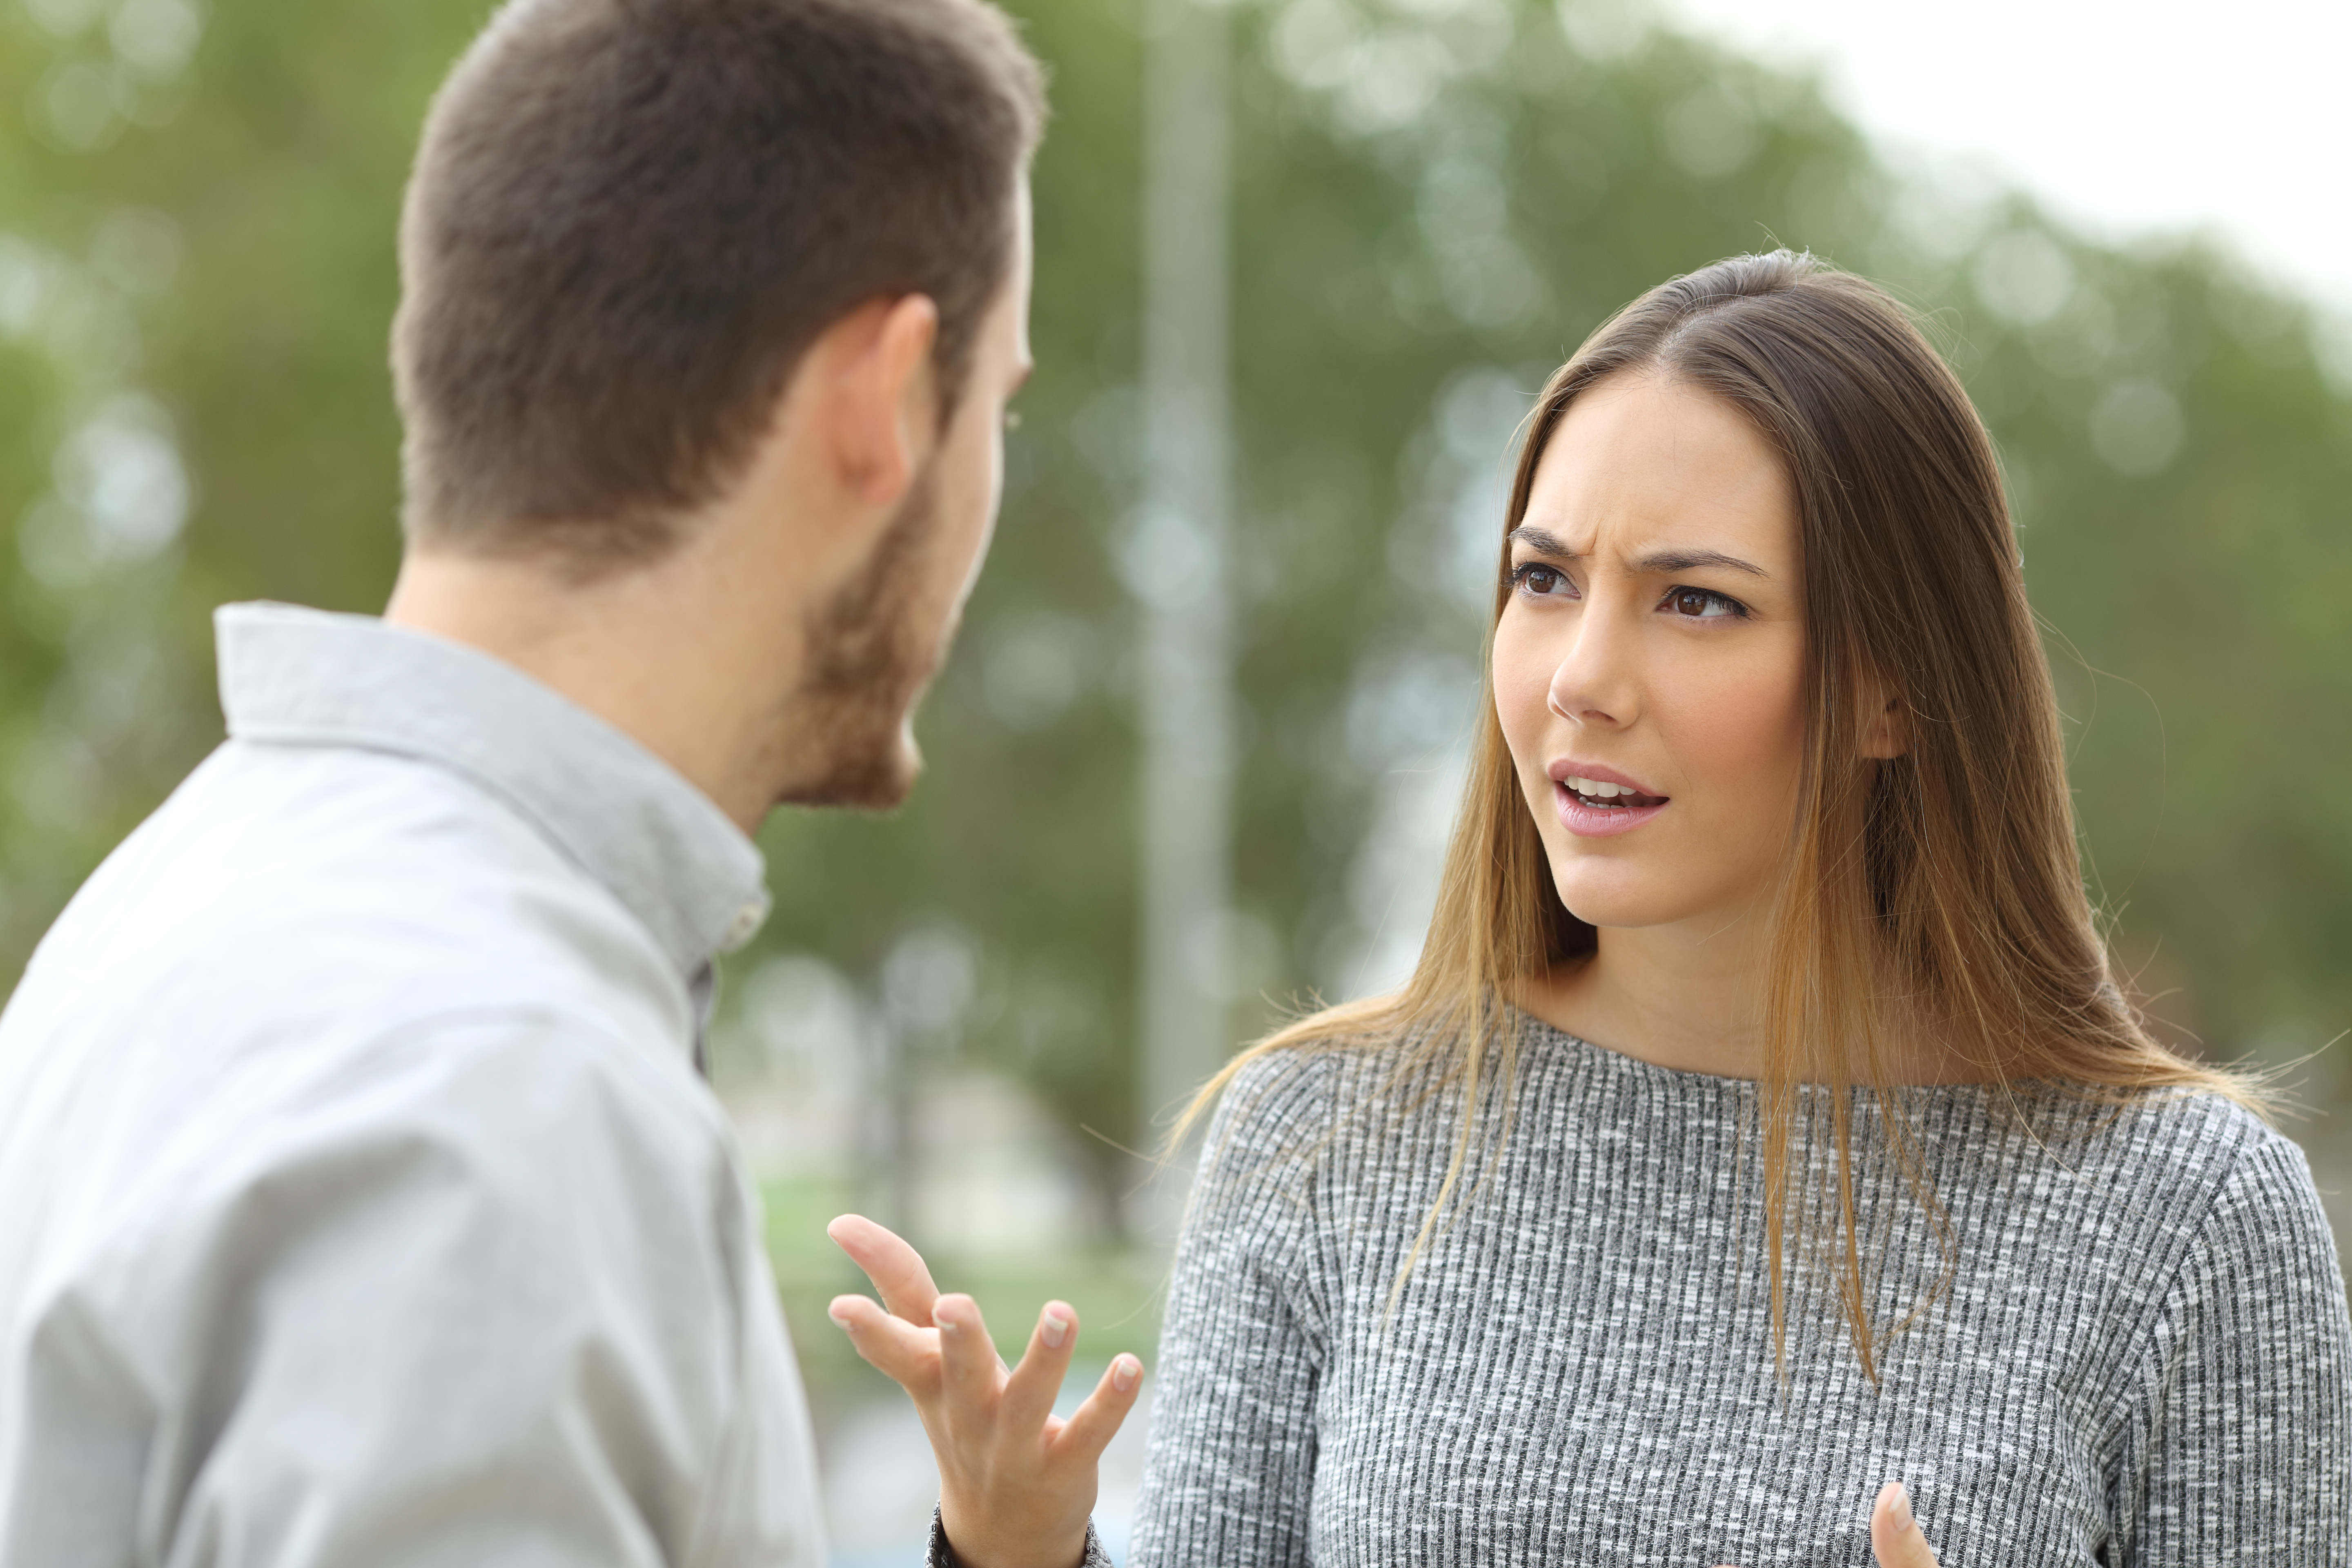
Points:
x=1436 y=200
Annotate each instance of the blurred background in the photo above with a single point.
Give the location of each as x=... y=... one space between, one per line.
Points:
x=1301 y=265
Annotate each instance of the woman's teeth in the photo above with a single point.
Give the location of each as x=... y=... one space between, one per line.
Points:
x=1595 y=792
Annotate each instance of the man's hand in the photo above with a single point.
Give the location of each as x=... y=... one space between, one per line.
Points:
x=1016 y=1482
x=1894 y=1538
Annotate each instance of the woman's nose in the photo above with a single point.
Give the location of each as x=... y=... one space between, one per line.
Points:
x=1593 y=683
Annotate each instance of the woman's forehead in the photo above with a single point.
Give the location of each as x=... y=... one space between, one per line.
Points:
x=1648 y=467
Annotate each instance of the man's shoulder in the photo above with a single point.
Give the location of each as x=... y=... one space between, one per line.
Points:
x=319 y=892
x=525 y=1139
x=482 y=1243
x=323 y=945
x=546 y=1105
x=321 y=831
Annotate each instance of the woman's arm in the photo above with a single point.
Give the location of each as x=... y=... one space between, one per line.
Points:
x=1230 y=1470
x=2240 y=1444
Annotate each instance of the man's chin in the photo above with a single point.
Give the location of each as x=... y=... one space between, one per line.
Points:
x=871 y=778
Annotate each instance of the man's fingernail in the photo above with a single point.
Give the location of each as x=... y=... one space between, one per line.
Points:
x=1055 y=1330
x=1902 y=1510
x=840 y=1316
x=1123 y=1371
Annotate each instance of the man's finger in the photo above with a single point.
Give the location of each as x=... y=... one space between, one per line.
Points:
x=1030 y=1391
x=1896 y=1539
x=906 y=1354
x=968 y=1370
x=896 y=1269
x=1091 y=1428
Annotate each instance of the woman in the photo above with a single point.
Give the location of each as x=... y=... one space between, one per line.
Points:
x=1761 y=1123
x=1761 y=1151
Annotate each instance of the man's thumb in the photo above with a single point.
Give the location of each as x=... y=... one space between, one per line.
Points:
x=1895 y=1537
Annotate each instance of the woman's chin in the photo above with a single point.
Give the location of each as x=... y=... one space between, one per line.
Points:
x=1614 y=913
x=1615 y=901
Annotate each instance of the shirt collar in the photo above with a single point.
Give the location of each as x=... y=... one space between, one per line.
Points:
x=298 y=676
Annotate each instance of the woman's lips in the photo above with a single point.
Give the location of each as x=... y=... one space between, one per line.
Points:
x=1596 y=801
x=1600 y=821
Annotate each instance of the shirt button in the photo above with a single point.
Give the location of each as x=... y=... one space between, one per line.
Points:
x=745 y=926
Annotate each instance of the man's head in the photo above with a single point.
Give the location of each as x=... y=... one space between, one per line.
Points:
x=842 y=732
x=660 y=257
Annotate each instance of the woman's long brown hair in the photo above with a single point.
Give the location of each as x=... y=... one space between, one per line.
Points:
x=1938 y=892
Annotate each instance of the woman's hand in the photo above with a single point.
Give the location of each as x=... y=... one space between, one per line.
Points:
x=1016 y=1482
x=1894 y=1538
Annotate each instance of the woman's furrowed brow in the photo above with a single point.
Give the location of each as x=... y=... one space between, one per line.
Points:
x=1543 y=541
x=1665 y=563
x=1660 y=563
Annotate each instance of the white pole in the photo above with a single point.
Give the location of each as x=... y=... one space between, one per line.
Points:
x=1178 y=554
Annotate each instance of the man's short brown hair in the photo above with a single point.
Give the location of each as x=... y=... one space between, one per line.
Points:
x=629 y=219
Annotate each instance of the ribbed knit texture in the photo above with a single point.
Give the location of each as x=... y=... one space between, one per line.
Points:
x=2144 y=1357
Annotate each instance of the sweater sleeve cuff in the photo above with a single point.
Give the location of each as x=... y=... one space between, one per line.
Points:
x=941 y=1556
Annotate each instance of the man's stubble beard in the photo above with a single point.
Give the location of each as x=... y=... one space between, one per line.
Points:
x=843 y=737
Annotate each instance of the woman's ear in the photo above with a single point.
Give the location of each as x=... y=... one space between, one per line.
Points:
x=1886 y=723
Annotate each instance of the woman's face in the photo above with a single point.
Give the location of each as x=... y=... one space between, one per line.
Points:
x=1650 y=662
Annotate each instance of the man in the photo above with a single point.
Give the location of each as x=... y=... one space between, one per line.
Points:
x=360 y=1200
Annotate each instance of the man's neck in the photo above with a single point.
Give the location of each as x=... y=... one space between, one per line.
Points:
x=637 y=648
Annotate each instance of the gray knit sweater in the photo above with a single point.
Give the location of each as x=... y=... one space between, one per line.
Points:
x=2144 y=1357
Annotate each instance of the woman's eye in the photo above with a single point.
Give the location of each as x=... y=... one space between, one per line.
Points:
x=1544 y=582
x=1702 y=604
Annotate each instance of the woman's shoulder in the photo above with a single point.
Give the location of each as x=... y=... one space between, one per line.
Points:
x=2198 y=1165
x=1285 y=1089
x=2219 y=1240
x=2174 y=1139
x=1305 y=1098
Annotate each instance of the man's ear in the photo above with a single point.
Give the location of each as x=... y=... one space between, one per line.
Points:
x=883 y=416
x=1886 y=722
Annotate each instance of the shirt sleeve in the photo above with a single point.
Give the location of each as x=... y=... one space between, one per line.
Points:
x=478 y=1308
x=2239 y=1449
x=940 y=1554
x=1229 y=1473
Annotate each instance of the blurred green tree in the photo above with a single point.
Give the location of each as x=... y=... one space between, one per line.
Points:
x=1436 y=200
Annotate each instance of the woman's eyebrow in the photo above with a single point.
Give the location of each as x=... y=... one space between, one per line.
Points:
x=1661 y=563
x=1666 y=562
x=1543 y=542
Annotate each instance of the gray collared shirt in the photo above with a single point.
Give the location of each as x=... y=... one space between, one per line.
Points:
x=359 y=1200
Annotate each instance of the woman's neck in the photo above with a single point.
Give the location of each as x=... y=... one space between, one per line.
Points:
x=1693 y=1001
x=1666 y=996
